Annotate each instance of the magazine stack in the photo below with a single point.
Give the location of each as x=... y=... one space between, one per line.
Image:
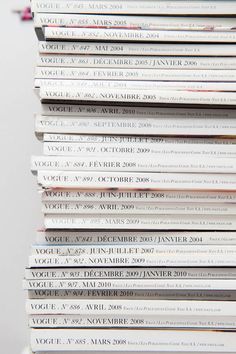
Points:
x=137 y=178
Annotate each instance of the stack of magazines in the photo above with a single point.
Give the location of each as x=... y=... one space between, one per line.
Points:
x=137 y=177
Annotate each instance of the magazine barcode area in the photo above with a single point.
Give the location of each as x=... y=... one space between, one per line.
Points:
x=137 y=177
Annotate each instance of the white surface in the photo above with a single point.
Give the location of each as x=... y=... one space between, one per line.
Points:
x=18 y=187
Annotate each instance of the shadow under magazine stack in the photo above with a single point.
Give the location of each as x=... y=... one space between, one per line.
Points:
x=137 y=178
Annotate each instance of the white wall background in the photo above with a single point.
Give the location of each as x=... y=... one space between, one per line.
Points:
x=19 y=203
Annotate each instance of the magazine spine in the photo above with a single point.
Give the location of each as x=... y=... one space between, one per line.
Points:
x=137 y=85
x=138 y=222
x=128 y=321
x=120 y=112
x=138 y=237
x=155 y=97
x=223 y=295
x=114 y=163
x=131 y=307
x=147 y=197
x=135 y=180
x=199 y=7
x=46 y=339
x=119 y=74
x=179 y=49
x=137 y=35
x=220 y=127
x=139 y=149
x=132 y=22
x=129 y=273
x=147 y=62
x=119 y=139
x=143 y=285
x=117 y=208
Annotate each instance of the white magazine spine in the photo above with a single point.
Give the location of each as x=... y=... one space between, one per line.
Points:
x=152 y=340
x=121 y=35
x=146 y=62
x=120 y=139
x=120 y=112
x=140 y=222
x=136 y=85
x=128 y=321
x=134 y=75
x=129 y=273
x=156 y=197
x=139 y=237
x=152 y=250
x=135 y=49
x=156 y=163
x=137 y=96
x=140 y=181
x=142 y=22
x=131 y=307
x=223 y=295
x=140 y=149
x=149 y=7
x=145 y=285
x=108 y=208
x=220 y=127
